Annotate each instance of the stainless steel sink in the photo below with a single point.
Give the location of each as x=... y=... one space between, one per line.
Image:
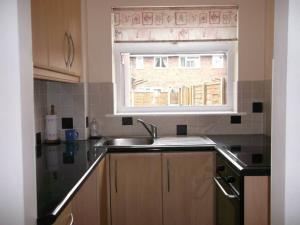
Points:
x=129 y=141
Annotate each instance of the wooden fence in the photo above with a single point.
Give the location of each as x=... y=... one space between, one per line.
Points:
x=208 y=93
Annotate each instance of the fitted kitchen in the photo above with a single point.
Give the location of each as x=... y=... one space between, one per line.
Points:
x=154 y=113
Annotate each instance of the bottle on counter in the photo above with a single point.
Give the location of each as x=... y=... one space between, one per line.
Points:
x=51 y=127
x=94 y=130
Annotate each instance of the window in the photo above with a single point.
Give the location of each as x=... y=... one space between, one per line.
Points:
x=190 y=61
x=175 y=59
x=139 y=62
x=218 y=61
x=160 y=61
x=175 y=88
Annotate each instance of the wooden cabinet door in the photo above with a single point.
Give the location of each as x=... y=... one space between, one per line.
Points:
x=136 y=196
x=39 y=18
x=188 y=189
x=103 y=183
x=85 y=204
x=59 y=46
x=66 y=217
x=56 y=39
x=74 y=30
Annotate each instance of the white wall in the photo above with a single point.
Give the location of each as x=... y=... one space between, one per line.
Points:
x=292 y=170
x=17 y=151
x=285 y=194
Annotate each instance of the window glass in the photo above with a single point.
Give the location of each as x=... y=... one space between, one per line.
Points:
x=218 y=61
x=139 y=62
x=160 y=61
x=175 y=86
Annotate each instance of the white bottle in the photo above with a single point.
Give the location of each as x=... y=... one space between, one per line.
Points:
x=51 y=126
x=94 y=129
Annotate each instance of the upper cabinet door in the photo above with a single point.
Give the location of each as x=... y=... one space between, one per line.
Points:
x=56 y=35
x=136 y=196
x=74 y=30
x=188 y=189
x=39 y=17
x=59 y=43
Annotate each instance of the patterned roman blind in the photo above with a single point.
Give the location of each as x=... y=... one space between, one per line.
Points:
x=214 y=23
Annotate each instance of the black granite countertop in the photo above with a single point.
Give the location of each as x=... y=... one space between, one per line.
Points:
x=61 y=169
x=248 y=154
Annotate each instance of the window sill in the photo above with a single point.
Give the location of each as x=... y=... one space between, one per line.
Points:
x=177 y=114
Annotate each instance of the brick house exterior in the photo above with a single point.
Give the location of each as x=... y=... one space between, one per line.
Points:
x=173 y=84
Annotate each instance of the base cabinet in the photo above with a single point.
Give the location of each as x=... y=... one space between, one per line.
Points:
x=168 y=188
x=66 y=217
x=89 y=203
x=188 y=189
x=85 y=205
x=136 y=197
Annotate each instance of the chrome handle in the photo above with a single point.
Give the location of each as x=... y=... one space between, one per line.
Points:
x=116 y=176
x=168 y=174
x=67 y=58
x=73 y=50
x=223 y=190
x=72 y=219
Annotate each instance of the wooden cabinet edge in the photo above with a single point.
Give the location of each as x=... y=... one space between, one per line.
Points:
x=103 y=191
x=257 y=200
x=49 y=75
x=108 y=194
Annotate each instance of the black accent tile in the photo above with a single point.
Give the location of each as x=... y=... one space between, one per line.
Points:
x=127 y=121
x=181 y=129
x=257 y=158
x=236 y=119
x=38 y=144
x=86 y=122
x=235 y=148
x=38 y=138
x=257 y=107
x=67 y=123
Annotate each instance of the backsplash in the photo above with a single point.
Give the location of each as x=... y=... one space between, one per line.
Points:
x=40 y=106
x=69 y=102
x=101 y=105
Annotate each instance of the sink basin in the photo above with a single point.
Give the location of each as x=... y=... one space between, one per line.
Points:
x=129 y=141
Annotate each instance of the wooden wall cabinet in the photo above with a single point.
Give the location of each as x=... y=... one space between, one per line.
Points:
x=168 y=188
x=56 y=39
x=89 y=203
x=136 y=196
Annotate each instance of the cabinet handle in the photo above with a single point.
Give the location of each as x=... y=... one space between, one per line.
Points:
x=73 y=50
x=72 y=218
x=67 y=58
x=227 y=195
x=168 y=174
x=116 y=176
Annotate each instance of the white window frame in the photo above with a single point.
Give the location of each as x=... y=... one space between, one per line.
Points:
x=122 y=83
x=161 y=60
x=185 y=60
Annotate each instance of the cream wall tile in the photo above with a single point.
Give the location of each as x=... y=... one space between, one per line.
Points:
x=101 y=103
